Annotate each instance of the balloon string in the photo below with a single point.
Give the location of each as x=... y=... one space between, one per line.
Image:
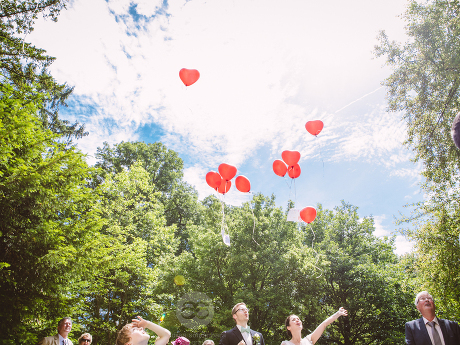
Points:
x=223 y=217
x=320 y=155
x=314 y=236
x=295 y=194
x=317 y=255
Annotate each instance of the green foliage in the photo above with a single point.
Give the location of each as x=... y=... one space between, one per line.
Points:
x=364 y=277
x=424 y=85
x=266 y=265
x=46 y=214
x=164 y=166
x=437 y=252
x=126 y=258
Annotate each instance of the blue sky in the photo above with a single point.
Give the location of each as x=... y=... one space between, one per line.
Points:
x=267 y=67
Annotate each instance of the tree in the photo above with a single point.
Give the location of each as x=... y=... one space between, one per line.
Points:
x=266 y=266
x=165 y=167
x=46 y=213
x=363 y=275
x=424 y=85
x=22 y=64
x=127 y=257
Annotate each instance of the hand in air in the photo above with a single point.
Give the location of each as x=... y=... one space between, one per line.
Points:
x=139 y=322
x=342 y=312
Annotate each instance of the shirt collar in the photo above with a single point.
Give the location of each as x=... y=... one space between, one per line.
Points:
x=425 y=321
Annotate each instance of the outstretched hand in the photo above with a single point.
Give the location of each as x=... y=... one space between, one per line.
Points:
x=342 y=312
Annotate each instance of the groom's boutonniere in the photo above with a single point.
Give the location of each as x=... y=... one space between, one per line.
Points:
x=256 y=337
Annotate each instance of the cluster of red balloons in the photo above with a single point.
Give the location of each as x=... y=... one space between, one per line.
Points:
x=189 y=76
x=290 y=164
x=291 y=158
x=222 y=181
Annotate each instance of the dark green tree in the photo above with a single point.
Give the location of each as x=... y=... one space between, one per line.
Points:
x=46 y=214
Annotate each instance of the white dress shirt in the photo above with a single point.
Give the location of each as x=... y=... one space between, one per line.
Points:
x=430 y=330
x=247 y=336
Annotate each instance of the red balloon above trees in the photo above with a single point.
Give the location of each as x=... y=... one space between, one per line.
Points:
x=242 y=184
x=227 y=171
x=314 y=127
x=213 y=179
x=279 y=167
x=308 y=214
x=294 y=171
x=291 y=157
x=189 y=76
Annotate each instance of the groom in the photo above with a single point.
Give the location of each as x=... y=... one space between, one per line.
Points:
x=241 y=334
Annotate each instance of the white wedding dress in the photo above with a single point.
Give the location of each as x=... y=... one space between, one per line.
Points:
x=304 y=341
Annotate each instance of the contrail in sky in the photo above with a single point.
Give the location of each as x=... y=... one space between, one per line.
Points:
x=358 y=99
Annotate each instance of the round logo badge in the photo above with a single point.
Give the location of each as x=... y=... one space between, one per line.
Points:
x=194 y=309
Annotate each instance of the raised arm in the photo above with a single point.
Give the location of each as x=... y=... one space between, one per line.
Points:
x=163 y=333
x=320 y=329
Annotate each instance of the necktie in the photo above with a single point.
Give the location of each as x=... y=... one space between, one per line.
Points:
x=436 y=338
x=245 y=329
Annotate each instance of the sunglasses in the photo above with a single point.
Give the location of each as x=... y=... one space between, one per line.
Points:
x=85 y=340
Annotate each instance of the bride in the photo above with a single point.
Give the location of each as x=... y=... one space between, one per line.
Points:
x=294 y=329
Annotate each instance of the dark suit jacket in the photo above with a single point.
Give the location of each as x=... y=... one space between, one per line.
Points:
x=416 y=333
x=234 y=336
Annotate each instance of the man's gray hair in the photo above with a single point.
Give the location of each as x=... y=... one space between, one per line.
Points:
x=61 y=321
x=420 y=294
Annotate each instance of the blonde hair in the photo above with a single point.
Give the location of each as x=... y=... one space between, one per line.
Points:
x=124 y=335
x=208 y=342
x=237 y=306
x=85 y=334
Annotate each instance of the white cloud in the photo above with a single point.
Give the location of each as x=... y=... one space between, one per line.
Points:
x=380 y=230
x=263 y=68
x=403 y=245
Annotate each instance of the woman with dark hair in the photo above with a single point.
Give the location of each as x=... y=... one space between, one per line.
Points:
x=294 y=329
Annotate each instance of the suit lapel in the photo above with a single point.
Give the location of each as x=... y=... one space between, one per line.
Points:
x=56 y=339
x=444 y=331
x=425 y=337
x=237 y=334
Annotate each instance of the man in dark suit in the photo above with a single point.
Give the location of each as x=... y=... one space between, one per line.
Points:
x=64 y=328
x=429 y=330
x=241 y=334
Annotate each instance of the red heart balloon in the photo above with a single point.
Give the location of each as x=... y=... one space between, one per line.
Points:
x=213 y=179
x=314 y=127
x=294 y=171
x=224 y=187
x=291 y=157
x=189 y=76
x=279 y=167
x=227 y=171
x=242 y=184
x=308 y=214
